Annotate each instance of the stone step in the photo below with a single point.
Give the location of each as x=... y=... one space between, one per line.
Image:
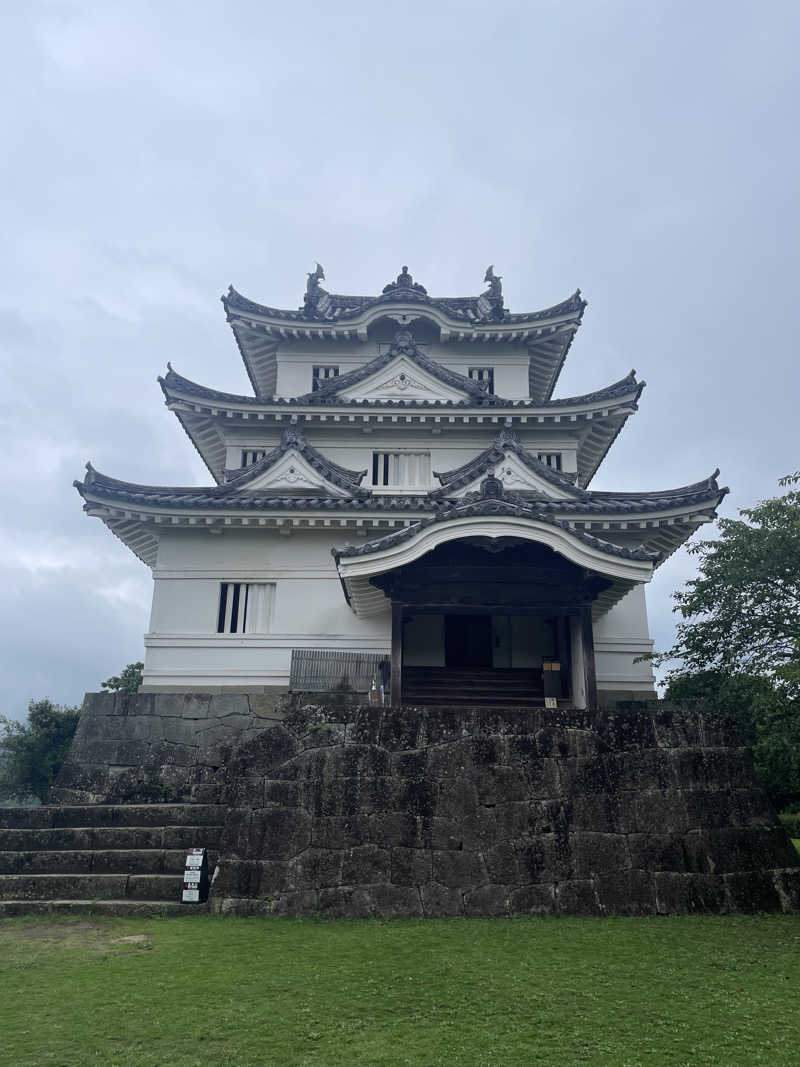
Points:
x=100 y=861
x=46 y=887
x=110 y=837
x=52 y=815
x=470 y=699
x=121 y=908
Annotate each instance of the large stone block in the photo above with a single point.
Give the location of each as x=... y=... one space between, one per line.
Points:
x=351 y=811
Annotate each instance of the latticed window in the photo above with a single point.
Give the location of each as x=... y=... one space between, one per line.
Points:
x=401 y=470
x=483 y=374
x=252 y=455
x=245 y=607
x=322 y=374
x=551 y=459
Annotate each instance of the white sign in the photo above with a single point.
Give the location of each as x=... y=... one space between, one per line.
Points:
x=191 y=896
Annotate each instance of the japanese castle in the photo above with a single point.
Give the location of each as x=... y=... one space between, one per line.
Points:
x=402 y=498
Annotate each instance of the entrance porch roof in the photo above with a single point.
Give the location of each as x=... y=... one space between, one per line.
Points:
x=490 y=515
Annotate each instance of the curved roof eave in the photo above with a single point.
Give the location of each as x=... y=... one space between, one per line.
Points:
x=357 y=566
x=176 y=387
x=362 y=310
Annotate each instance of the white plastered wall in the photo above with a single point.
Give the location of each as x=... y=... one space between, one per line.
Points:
x=450 y=447
x=309 y=610
x=510 y=363
x=182 y=647
x=620 y=636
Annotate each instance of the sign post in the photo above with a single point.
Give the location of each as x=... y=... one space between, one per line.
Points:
x=195 y=877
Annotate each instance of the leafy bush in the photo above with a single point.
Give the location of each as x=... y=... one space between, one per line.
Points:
x=127 y=682
x=31 y=753
x=791 y=822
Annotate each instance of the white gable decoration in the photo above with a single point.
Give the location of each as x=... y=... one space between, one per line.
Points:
x=294 y=474
x=402 y=379
x=518 y=478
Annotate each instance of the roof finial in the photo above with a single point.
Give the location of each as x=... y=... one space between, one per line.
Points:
x=490 y=303
x=404 y=286
x=314 y=291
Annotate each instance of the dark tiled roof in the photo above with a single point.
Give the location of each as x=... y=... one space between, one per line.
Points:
x=402 y=345
x=336 y=307
x=491 y=501
x=706 y=494
x=294 y=439
x=506 y=440
x=173 y=381
x=610 y=392
x=232 y=496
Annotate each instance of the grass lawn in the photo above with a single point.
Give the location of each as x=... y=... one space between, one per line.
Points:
x=208 y=990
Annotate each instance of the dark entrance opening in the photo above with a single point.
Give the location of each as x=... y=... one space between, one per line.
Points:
x=468 y=641
x=483 y=622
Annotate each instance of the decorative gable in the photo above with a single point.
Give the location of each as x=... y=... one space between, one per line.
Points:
x=514 y=466
x=517 y=477
x=403 y=372
x=291 y=474
x=296 y=467
x=402 y=379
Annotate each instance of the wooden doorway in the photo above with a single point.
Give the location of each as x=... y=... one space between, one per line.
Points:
x=468 y=641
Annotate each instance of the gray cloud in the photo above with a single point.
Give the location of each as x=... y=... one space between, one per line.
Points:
x=155 y=153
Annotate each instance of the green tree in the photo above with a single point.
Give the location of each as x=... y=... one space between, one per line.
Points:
x=738 y=642
x=31 y=753
x=741 y=615
x=769 y=714
x=127 y=682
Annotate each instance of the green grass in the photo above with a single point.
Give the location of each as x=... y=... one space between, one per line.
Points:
x=212 y=991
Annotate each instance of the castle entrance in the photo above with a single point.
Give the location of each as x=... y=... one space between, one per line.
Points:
x=491 y=622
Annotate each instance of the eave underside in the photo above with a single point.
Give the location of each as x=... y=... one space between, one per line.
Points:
x=655 y=523
x=594 y=420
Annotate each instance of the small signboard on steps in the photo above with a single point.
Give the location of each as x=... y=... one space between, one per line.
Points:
x=195 y=877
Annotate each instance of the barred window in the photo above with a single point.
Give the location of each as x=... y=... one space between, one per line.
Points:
x=252 y=455
x=245 y=607
x=322 y=374
x=551 y=459
x=401 y=470
x=483 y=374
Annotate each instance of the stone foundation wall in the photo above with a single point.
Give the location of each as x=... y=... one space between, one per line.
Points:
x=422 y=812
x=150 y=747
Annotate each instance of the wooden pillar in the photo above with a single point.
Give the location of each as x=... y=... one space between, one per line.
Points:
x=591 y=674
x=588 y=657
x=397 y=654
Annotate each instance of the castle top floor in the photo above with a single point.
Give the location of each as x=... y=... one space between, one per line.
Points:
x=289 y=353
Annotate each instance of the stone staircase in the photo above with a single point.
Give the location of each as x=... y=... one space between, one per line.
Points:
x=473 y=687
x=113 y=859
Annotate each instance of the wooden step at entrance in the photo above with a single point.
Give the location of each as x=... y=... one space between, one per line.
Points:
x=116 y=859
x=473 y=687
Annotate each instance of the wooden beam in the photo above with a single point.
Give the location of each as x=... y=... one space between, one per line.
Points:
x=396 y=680
x=588 y=657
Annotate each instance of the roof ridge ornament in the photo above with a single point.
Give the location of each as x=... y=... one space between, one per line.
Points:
x=404 y=286
x=490 y=303
x=316 y=300
x=403 y=343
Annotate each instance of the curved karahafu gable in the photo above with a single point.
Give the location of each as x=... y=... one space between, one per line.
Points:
x=546 y=334
x=491 y=514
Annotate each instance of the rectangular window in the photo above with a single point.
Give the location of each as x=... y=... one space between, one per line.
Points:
x=322 y=374
x=245 y=607
x=483 y=374
x=551 y=459
x=401 y=470
x=252 y=455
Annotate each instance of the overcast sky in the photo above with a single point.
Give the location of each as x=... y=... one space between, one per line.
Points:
x=155 y=153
